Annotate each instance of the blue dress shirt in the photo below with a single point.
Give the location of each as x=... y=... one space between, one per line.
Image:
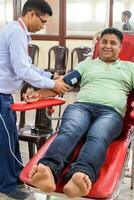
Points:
x=15 y=64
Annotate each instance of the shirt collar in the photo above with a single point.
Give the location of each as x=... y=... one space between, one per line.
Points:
x=116 y=61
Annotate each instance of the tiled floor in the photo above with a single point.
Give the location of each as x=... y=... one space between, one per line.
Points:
x=125 y=192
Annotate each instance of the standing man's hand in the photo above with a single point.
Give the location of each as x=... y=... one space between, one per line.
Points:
x=56 y=75
x=60 y=86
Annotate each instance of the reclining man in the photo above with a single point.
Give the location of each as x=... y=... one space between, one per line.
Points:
x=97 y=115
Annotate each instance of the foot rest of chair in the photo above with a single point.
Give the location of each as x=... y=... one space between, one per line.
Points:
x=110 y=173
x=23 y=106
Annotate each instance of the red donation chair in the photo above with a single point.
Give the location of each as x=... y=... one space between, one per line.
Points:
x=111 y=173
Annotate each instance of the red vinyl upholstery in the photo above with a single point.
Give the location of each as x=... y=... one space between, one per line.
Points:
x=23 y=106
x=110 y=172
x=127 y=52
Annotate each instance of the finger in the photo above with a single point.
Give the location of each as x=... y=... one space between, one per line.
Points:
x=24 y=96
x=66 y=85
x=64 y=90
x=67 y=88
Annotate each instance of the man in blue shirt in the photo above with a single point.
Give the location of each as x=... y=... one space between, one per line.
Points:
x=15 y=68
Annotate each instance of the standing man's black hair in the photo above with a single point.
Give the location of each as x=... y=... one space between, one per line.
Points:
x=39 y=6
x=113 y=31
x=127 y=13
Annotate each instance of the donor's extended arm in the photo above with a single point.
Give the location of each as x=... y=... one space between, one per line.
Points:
x=70 y=79
x=32 y=96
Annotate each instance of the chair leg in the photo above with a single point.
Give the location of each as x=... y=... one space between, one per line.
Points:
x=132 y=171
x=41 y=142
x=31 y=148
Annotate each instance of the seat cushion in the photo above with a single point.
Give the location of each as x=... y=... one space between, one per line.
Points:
x=110 y=172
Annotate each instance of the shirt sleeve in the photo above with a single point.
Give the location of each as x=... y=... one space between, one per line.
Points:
x=22 y=66
x=80 y=67
x=42 y=72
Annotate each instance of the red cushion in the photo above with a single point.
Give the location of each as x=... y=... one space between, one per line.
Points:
x=109 y=174
x=23 y=106
x=127 y=52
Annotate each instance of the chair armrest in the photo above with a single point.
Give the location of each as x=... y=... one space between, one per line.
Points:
x=23 y=106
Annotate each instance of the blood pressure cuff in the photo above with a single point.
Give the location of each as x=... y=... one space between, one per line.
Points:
x=72 y=78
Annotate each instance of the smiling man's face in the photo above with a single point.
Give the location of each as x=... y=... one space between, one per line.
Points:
x=109 y=48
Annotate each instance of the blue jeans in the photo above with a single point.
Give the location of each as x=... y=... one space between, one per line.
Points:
x=9 y=167
x=98 y=124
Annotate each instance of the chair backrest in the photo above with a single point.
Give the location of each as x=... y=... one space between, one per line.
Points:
x=60 y=58
x=82 y=53
x=33 y=51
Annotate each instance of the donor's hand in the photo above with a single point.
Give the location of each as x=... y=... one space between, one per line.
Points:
x=31 y=96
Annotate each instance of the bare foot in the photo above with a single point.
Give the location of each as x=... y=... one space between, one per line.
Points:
x=41 y=177
x=79 y=185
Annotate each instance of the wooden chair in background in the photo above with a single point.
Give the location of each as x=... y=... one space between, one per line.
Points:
x=36 y=135
x=80 y=53
x=59 y=54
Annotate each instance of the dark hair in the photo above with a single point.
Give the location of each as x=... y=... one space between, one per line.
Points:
x=39 y=6
x=127 y=13
x=113 y=31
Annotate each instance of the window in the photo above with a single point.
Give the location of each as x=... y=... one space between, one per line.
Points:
x=132 y=11
x=78 y=16
x=119 y=7
x=52 y=27
x=6 y=11
x=83 y=16
x=101 y=6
